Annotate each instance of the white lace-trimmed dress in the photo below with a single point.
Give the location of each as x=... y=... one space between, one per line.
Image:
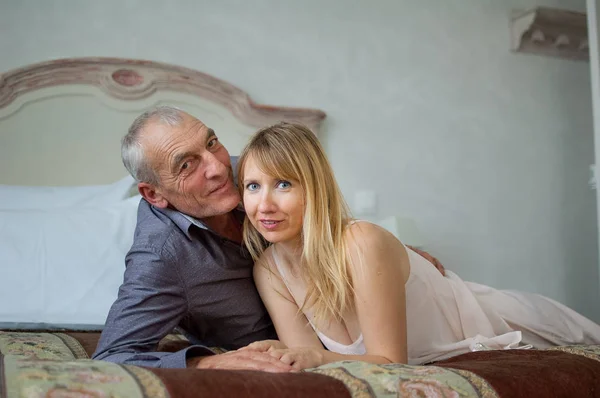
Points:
x=447 y=316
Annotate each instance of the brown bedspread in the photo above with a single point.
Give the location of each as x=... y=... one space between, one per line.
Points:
x=54 y=364
x=534 y=373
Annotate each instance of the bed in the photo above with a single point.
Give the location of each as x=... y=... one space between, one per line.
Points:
x=67 y=213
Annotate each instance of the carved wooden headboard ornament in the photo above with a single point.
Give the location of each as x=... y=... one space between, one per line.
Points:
x=136 y=79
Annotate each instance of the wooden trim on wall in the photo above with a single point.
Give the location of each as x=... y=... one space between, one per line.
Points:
x=552 y=32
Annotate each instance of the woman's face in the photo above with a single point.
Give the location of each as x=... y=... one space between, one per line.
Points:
x=274 y=206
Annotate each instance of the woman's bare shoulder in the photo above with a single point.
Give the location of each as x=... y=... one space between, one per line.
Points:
x=365 y=233
x=266 y=261
x=368 y=243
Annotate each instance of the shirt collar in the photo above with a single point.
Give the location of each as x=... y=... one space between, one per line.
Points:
x=185 y=221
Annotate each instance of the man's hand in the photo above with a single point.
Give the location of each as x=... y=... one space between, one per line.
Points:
x=241 y=360
x=429 y=258
x=298 y=358
x=264 y=346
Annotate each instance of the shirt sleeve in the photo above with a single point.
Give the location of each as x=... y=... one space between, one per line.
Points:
x=150 y=304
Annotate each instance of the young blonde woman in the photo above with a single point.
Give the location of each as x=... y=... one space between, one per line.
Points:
x=353 y=288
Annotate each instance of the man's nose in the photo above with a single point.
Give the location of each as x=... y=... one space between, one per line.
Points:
x=214 y=167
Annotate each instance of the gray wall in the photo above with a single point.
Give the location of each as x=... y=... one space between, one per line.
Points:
x=488 y=151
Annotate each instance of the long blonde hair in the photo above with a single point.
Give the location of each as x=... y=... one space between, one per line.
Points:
x=292 y=151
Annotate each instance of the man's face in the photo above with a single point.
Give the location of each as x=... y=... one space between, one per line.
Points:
x=193 y=167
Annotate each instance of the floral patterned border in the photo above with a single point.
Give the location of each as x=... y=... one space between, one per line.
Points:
x=149 y=384
x=73 y=345
x=365 y=380
x=588 y=351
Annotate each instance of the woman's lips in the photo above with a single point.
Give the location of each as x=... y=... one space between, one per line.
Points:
x=269 y=224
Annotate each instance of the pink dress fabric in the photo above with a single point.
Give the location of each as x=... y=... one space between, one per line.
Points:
x=447 y=316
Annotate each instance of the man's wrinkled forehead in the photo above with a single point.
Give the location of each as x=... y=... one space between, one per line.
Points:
x=194 y=126
x=160 y=140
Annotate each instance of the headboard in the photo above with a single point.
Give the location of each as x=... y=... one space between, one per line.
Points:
x=62 y=249
x=61 y=121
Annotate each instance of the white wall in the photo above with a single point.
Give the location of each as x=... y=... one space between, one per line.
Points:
x=487 y=150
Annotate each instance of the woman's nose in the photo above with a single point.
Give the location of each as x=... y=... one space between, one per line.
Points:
x=266 y=203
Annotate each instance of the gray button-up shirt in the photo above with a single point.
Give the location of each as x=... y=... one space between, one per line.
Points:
x=179 y=273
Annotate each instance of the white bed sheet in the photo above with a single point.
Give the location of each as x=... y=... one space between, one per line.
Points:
x=63 y=267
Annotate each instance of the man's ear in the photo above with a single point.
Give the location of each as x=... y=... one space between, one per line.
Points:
x=152 y=195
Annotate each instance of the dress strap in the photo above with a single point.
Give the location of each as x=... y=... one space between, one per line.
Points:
x=279 y=267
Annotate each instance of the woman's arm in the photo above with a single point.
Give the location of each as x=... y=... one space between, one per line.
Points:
x=291 y=325
x=311 y=357
x=379 y=268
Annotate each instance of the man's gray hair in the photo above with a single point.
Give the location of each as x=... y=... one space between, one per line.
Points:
x=132 y=152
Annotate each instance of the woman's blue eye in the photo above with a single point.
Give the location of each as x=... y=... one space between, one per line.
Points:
x=284 y=184
x=252 y=186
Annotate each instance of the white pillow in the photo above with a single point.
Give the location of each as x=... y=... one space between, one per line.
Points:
x=14 y=197
x=63 y=267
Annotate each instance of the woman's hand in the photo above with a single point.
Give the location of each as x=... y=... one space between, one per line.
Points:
x=264 y=346
x=299 y=358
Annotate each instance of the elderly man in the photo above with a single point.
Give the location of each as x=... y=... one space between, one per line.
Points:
x=187 y=267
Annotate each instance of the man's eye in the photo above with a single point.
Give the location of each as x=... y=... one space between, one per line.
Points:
x=252 y=186
x=213 y=142
x=284 y=184
x=185 y=166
